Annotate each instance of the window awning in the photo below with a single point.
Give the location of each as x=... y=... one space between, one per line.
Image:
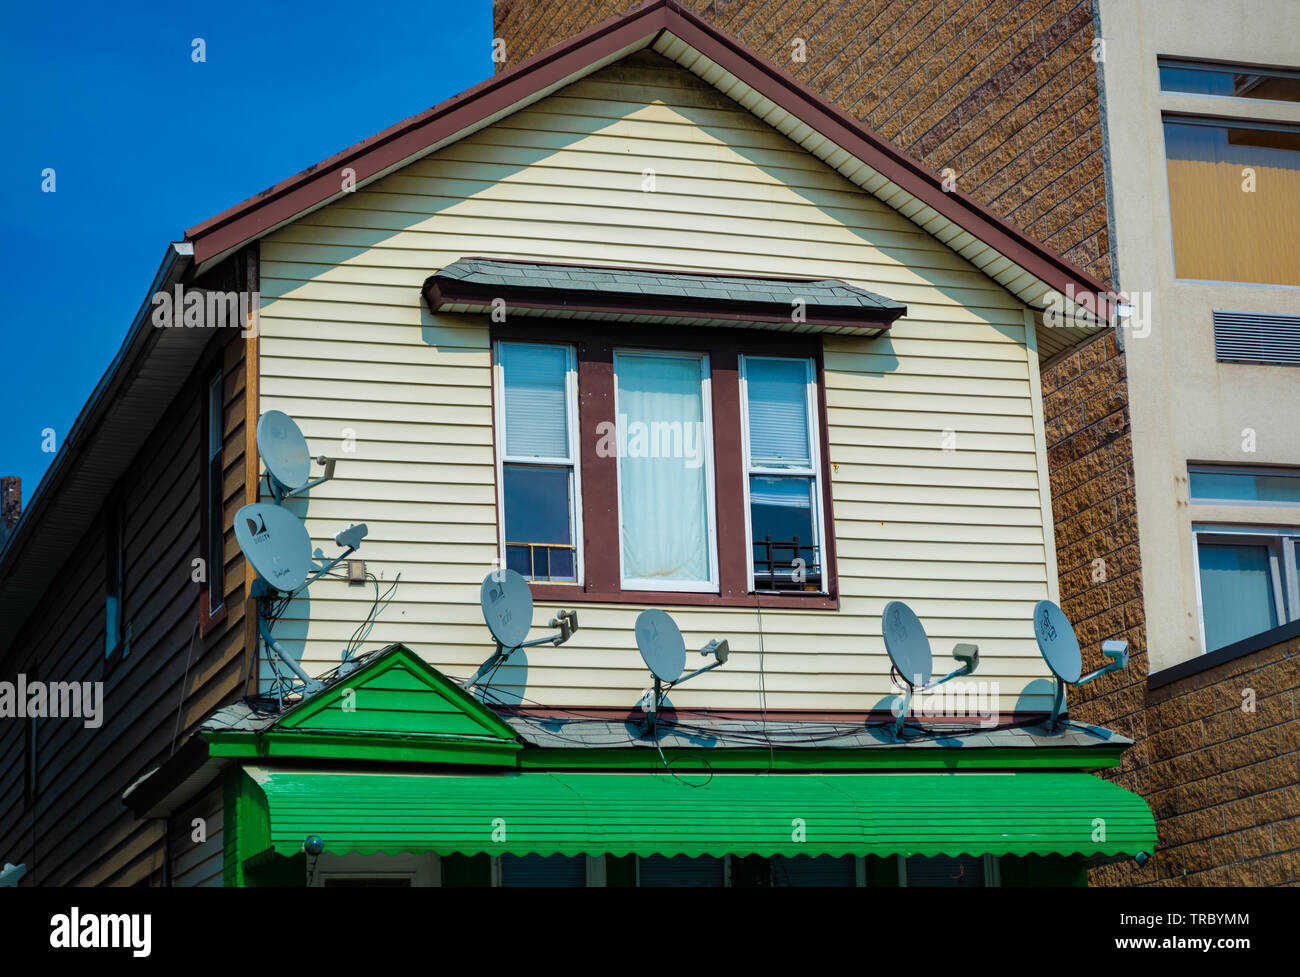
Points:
x=645 y=814
x=653 y=295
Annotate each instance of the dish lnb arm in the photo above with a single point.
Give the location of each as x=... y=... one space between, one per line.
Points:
x=968 y=655
x=1117 y=652
x=720 y=650
x=326 y=463
x=567 y=622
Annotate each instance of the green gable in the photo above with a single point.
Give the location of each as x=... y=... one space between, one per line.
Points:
x=396 y=692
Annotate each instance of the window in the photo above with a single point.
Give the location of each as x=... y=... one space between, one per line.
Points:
x=682 y=870
x=1234 y=198
x=1248 y=581
x=1238 y=486
x=538 y=476
x=782 y=484
x=690 y=471
x=113 y=574
x=1230 y=81
x=665 y=472
x=568 y=871
x=946 y=871
x=214 y=513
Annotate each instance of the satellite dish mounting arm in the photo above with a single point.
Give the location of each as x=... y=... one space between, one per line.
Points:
x=1116 y=651
x=720 y=650
x=565 y=621
x=281 y=492
x=967 y=654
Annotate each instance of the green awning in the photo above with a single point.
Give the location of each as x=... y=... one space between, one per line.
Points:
x=737 y=814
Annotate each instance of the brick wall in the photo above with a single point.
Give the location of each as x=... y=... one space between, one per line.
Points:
x=1004 y=92
x=1223 y=780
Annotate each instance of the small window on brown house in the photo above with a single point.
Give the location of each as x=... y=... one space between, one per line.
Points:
x=213 y=495
x=114 y=574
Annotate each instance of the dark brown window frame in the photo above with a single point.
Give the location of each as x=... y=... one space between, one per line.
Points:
x=210 y=617
x=595 y=344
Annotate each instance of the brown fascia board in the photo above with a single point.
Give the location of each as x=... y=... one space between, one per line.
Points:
x=318 y=184
x=441 y=292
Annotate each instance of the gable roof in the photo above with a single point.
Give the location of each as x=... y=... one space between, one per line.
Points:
x=1025 y=267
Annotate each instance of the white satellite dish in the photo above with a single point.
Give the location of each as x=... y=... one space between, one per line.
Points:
x=662 y=647
x=507 y=606
x=283 y=449
x=1059 y=646
x=907 y=644
x=1057 y=642
x=11 y=873
x=276 y=543
x=909 y=650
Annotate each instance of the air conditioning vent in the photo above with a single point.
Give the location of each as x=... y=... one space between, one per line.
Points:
x=1255 y=337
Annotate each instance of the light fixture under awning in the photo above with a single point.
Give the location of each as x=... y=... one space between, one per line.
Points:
x=651 y=295
x=736 y=814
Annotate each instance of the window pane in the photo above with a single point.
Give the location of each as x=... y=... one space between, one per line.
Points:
x=1221 y=232
x=1236 y=592
x=1244 y=487
x=943 y=870
x=535 y=408
x=539 y=521
x=781 y=513
x=215 y=417
x=543 y=870
x=681 y=870
x=823 y=870
x=1226 y=81
x=777 y=391
x=663 y=505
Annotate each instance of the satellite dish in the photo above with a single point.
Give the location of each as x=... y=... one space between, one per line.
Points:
x=661 y=644
x=908 y=647
x=507 y=607
x=276 y=543
x=283 y=449
x=1057 y=642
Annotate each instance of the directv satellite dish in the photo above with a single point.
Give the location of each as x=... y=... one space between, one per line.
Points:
x=909 y=650
x=276 y=543
x=662 y=647
x=908 y=647
x=1060 y=649
x=283 y=449
x=1057 y=642
x=507 y=607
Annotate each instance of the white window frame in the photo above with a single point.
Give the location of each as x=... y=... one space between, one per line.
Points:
x=573 y=461
x=1281 y=542
x=814 y=447
x=712 y=585
x=992 y=871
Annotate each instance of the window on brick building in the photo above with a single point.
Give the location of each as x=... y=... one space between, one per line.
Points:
x=1248 y=581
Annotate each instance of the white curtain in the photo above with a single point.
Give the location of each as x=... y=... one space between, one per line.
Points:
x=662 y=468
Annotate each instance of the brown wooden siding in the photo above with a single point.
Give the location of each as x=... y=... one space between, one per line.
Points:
x=79 y=831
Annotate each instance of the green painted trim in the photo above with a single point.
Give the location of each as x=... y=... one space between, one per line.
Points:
x=246 y=825
x=399 y=657
x=379 y=748
x=1073 y=758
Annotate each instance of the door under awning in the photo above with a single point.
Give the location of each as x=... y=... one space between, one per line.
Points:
x=548 y=813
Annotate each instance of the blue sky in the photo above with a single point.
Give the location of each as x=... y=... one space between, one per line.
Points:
x=145 y=143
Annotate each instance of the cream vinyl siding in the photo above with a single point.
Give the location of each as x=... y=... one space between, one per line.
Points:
x=347 y=348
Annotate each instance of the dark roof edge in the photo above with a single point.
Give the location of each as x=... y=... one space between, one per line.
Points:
x=176 y=261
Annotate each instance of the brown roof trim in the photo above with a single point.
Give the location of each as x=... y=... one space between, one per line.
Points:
x=439 y=293
x=319 y=183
